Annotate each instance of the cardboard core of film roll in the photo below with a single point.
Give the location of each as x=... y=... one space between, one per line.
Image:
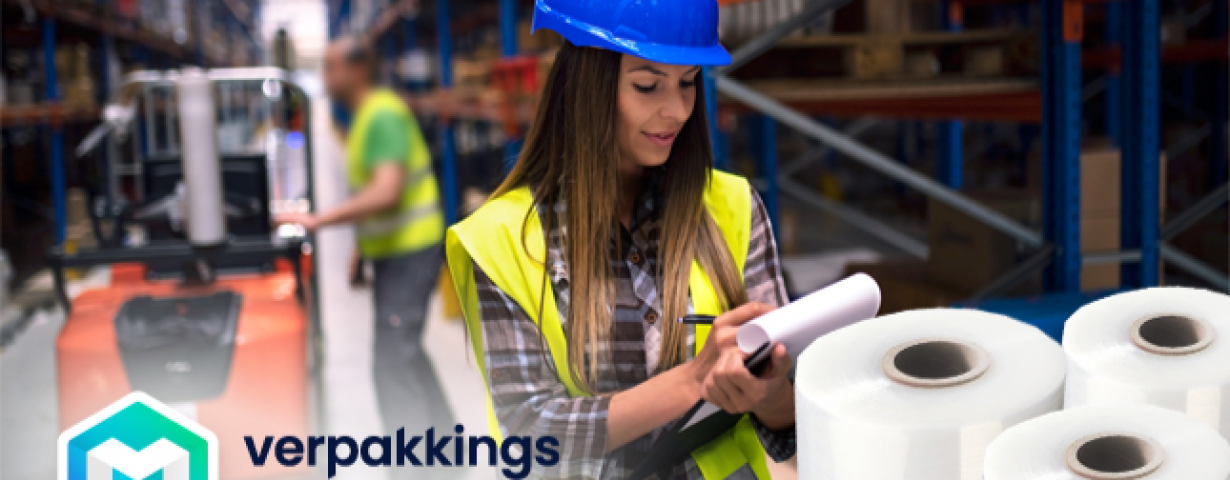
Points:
x=935 y=363
x=1172 y=334
x=1115 y=456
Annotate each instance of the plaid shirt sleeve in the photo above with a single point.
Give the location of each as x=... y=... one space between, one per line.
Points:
x=762 y=276
x=529 y=398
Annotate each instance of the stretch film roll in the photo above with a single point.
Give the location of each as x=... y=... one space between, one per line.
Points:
x=1168 y=347
x=918 y=395
x=198 y=133
x=1109 y=442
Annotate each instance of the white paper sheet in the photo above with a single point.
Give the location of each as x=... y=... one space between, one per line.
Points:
x=853 y=299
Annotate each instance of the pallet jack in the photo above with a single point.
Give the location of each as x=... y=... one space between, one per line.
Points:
x=211 y=308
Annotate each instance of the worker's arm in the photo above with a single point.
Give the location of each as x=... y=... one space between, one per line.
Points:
x=381 y=193
x=386 y=148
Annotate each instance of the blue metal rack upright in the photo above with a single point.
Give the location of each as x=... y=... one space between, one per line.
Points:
x=1114 y=78
x=508 y=27
x=1141 y=191
x=950 y=142
x=1062 y=30
x=508 y=45
x=448 y=149
x=721 y=150
x=52 y=92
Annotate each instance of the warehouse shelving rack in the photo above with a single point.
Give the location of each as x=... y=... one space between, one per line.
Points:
x=102 y=19
x=1058 y=245
x=1054 y=101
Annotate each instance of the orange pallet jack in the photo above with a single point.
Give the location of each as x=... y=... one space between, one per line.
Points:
x=219 y=319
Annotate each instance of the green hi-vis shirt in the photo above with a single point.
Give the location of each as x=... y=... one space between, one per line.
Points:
x=385 y=130
x=386 y=140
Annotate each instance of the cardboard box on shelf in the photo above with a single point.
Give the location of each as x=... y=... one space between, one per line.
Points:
x=875 y=58
x=1101 y=181
x=1100 y=235
x=968 y=254
x=984 y=61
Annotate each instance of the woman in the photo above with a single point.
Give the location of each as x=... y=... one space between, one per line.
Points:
x=611 y=226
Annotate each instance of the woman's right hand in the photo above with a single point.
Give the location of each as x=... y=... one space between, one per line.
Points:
x=722 y=338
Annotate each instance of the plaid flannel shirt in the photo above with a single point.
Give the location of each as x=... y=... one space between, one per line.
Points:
x=531 y=400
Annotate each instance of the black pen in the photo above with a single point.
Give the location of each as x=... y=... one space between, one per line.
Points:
x=697 y=319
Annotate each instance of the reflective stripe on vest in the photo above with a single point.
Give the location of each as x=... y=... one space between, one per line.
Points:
x=384 y=224
x=493 y=239
x=417 y=221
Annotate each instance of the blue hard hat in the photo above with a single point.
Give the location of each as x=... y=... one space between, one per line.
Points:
x=677 y=32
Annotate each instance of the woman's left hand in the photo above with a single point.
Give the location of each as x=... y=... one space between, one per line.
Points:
x=733 y=388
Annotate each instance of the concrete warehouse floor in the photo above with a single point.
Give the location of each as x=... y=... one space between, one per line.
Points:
x=28 y=423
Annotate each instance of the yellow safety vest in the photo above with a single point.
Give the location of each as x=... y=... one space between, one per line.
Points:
x=491 y=238
x=417 y=221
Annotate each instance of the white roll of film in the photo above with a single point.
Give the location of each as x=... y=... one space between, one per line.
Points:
x=202 y=166
x=1168 y=347
x=1109 y=442
x=919 y=395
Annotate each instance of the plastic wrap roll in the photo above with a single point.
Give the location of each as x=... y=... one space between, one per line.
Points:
x=198 y=133
x=853 y=299
x=1168 y=347
x=1109 y=442
x=919 y=395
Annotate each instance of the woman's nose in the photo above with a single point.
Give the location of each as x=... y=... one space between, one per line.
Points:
x=676 y=109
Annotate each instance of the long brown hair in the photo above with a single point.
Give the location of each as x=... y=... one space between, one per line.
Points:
x=571 y=154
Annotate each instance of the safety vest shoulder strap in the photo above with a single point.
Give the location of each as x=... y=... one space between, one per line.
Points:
x=505 y=239
x=729 y=201
x=379 y=100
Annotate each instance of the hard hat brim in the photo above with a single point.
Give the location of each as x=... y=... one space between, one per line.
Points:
x=585 y=35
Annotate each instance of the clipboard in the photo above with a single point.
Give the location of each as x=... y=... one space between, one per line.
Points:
x=703 y=422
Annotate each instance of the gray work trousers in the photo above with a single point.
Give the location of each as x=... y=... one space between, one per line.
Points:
x=407 y=389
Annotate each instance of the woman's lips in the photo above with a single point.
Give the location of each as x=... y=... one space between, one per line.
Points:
x=661 y=139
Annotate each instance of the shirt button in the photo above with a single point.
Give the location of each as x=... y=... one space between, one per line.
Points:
x=636 y=258
x=651 y=317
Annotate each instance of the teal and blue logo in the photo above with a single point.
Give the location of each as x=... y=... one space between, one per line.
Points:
x=137 y=438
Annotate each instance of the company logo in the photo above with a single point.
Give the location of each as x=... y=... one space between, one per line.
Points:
x=137 y=438
x=403 y=450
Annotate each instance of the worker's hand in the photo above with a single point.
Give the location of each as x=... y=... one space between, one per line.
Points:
x=775 y=409
x=307 y=220
x=770 y=397
x=729 y=384
x=721 y=341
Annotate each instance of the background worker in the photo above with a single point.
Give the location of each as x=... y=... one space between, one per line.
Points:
x=610 y=226
x=399 y=225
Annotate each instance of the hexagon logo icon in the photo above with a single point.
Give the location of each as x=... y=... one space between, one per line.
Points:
x=137 y=438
